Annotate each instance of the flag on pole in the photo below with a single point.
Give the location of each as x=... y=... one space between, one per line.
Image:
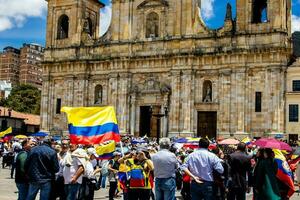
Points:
x=92 y=125
x=105 y=150
x=6 y=132
x=284 y=172
x=246 y=140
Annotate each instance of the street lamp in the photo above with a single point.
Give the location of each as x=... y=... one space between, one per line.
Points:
x=158 y=116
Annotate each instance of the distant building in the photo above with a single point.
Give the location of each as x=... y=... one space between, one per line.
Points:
x=10 y=65
x=293 y=101
x=22 y=66
x=21 y=123
x=30 y=69
x=5 y=89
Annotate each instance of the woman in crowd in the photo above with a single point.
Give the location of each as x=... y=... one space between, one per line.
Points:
x=266 y=183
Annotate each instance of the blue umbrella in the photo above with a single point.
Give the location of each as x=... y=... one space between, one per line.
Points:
x=181 y=140
x=39 y=134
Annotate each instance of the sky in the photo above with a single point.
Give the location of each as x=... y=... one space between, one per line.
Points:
x=26 y=22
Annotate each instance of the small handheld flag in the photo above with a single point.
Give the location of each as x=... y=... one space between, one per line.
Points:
x=6 y=132
x=92 y=125
x=105 y=151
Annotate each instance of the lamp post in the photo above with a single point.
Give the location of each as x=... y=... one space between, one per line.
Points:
x=158 y=116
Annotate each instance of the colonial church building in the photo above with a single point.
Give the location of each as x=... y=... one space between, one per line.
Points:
x=158 y=60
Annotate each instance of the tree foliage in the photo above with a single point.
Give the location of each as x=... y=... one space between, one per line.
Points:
x=24 y=98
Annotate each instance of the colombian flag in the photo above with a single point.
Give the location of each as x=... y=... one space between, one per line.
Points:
x=105 y=150
x=284 y=173
x=92 y=125
x=6 y=132
x=246 y=140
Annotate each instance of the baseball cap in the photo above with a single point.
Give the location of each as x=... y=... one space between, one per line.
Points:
x=92 y=151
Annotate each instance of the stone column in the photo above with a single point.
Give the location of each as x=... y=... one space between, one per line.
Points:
x=123 y=104
x=187 y=102
x=175 y=103
x=132 y=113
x=45 y=103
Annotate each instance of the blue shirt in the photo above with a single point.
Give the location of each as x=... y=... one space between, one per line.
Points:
x=165 y=164
x=201 y=164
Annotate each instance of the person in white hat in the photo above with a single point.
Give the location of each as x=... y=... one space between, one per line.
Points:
x=87 y=188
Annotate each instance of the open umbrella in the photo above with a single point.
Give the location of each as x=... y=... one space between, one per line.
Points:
x=230 y=141
x=272 y=144
x=21 y=136
x=39 y=134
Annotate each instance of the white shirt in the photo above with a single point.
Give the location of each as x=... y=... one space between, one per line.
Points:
x=69 y=171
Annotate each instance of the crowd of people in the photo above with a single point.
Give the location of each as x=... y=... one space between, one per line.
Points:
x=61 y=170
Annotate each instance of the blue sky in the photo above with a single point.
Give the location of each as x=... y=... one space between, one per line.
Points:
x=26 y=22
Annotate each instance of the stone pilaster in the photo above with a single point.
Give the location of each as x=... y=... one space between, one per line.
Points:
x=175 y=102
x=123 y=104
x=187 y=102
x=132 y=113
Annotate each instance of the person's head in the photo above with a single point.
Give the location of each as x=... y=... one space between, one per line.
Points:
x=241 y=147
x=73 y=147
x=27 y=144
x=164 y=143
x=268 y=153
x=64 y=146
x=203 y=143
x=116 y=155
x=57 y=148
x=92 y=153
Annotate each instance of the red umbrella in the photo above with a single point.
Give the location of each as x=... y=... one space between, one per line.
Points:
x=272 y=144
x=230 y=141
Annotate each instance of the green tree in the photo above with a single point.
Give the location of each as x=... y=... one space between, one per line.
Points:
x=24 y=98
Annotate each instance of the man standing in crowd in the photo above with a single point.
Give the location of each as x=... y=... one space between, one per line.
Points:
x=74 y=165
x=165 y=165
x=20 y=177
x=41 y=166
x=113 y=168
x=59 y=182
x=200 y=166
x=240 y=164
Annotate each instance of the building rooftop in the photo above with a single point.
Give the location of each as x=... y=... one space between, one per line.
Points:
x=29 y=119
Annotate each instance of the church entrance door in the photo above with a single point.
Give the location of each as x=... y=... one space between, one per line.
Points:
x=207 y=124
x=148 y=124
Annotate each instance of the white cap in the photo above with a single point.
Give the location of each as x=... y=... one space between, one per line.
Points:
x=92 y=151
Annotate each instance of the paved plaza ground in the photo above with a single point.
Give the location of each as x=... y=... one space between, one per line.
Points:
x=8 y=190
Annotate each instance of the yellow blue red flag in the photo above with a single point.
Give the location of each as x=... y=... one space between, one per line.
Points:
x=6 y=132
x=246 y=140
x=92 y=125
x=105 y=150
x=284 y=172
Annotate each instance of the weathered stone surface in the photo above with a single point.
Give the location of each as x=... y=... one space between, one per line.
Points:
x=134 y=71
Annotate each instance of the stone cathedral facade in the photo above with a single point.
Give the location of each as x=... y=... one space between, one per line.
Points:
x=159 y=57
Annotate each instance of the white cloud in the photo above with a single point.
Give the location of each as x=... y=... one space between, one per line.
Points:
x=207 y=9
x=105 y=19
x=13 y=13
x=4 y=24
x=295 y=23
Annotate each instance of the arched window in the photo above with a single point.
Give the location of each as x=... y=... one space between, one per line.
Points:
x=152 y=25
x=207 y=91
x=98 y=94
x=259 y=11
x=63 y=27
